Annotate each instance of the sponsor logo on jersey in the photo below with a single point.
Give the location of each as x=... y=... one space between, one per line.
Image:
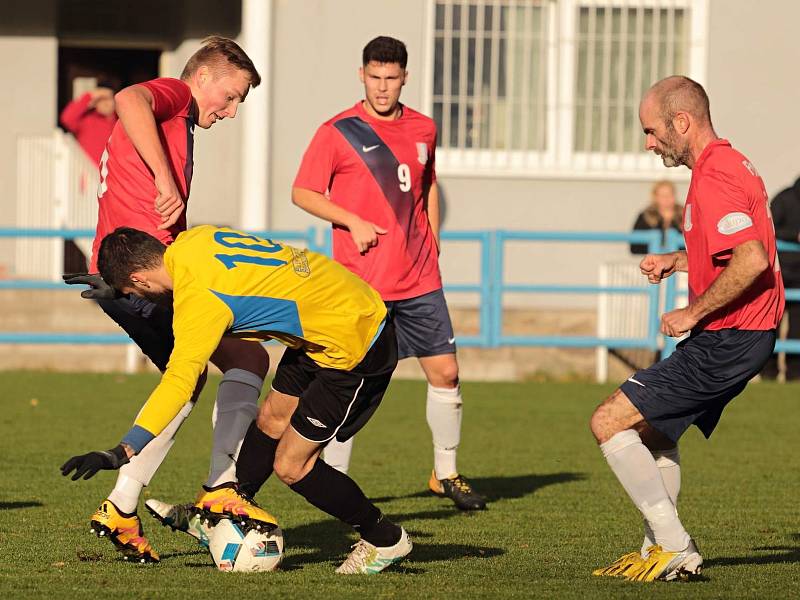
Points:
x=369 y=148
x=734 y=222
x=687 y=218
x=422 y=153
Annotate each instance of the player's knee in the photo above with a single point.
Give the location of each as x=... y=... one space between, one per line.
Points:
x=287 y=471
x=446 y=377
x=599 y=422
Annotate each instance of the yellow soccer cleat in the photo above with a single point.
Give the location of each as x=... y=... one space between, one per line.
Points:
x=124 y=531
x=624 y=564
x=668 y=566
x=228 y=501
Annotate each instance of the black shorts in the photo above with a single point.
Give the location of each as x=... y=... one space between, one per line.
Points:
x=336 y=403
x=423 y=325
x=693 y=385
x=147 y=324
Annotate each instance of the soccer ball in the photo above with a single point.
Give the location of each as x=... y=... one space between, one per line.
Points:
x=234 y=549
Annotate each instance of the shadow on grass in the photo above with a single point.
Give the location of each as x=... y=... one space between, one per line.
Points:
x=20 y=504
x=328 y=542
x=499 y=488
x=780 y=554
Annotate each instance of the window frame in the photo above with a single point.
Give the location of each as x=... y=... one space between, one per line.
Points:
x=559 y=159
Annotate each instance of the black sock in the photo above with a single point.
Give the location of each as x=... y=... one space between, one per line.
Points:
x=339 y=496
x=254 y=465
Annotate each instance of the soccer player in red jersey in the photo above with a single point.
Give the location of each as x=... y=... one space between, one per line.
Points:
x=146 y=173
x=376 y=162
x=736 y=301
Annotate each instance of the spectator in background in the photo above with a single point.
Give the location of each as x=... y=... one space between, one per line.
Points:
x=786 y=218
x=664 y=213
x=90 y=118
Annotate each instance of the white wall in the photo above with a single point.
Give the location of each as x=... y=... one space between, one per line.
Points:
x=753 y=83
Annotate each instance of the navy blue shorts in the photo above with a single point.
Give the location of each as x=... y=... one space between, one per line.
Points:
x=693 y=384
x=423 y=325
x=147 y=324
x=336 y=403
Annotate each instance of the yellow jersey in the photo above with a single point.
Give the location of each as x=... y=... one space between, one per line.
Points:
x=227 y=282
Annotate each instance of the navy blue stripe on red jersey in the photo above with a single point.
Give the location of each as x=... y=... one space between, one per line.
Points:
x=381 y=162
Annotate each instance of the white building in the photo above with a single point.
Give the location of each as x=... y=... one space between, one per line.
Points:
x=536 y=99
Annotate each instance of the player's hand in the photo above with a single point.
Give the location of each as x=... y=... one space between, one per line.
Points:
x=98 y=290
x=658 y=266
x=677 y=322
x=87 y=465
x=168 y=203
x=365 y=234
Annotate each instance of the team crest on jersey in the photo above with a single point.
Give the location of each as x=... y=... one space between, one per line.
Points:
x=422 y=153
x=300 y=262
x=687 y=218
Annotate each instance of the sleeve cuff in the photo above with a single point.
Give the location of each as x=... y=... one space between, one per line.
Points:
x=137 y=438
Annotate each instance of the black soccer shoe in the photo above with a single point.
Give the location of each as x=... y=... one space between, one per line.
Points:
x=459 y=490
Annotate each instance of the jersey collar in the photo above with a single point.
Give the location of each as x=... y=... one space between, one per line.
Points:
x=708 y=149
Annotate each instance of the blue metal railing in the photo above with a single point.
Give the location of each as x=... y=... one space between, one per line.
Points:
x=491 y=286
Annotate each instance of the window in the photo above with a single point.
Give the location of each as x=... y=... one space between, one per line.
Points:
x=553 y=86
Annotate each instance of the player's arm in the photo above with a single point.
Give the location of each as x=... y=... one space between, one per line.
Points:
x=747 y=262
x=364 y=234
x=73 y=112
x=199 y=323
x=659 y=266
x=135 y=109
x=434 y=216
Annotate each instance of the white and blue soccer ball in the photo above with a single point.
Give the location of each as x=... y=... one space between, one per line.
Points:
x=234 y=549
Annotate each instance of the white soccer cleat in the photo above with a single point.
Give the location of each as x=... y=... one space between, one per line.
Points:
x=181 y=517
x=367 y=559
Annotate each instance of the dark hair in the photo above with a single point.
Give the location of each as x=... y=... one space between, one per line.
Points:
x=125 y=251
x=218 y=52
x=385 y=49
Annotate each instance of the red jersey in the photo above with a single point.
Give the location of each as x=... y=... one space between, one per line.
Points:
x=127 y=192
x=89 y=127
x=381 y=171
x=727 y=205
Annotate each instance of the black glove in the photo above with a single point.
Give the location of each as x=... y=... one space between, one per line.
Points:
x=99 y=290
x=87 y=465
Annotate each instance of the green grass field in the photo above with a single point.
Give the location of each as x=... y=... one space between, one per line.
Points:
x=555 y=510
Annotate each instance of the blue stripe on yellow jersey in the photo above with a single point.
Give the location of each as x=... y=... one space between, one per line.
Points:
x=227 y=282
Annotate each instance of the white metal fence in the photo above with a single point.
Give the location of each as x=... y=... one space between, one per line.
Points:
x=56 y=188
x=625 y=315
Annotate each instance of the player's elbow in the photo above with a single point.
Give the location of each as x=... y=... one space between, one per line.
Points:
x=759 y=260
x=297 y=196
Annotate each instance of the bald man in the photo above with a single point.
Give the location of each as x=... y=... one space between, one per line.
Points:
x=735 y=304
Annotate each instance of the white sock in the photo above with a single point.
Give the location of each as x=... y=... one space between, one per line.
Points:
x=125 y=494
x=138 y=473
x=443 y=410
x=337 y=454
x=636 y=470
x=236 y=407
x=669 y=464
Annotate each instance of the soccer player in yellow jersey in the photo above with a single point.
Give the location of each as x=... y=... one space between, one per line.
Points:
x=340 y=357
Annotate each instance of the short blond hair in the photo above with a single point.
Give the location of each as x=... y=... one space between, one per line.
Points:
x=218 y=52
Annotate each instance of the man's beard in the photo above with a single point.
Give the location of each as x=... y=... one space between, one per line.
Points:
x=160 y=298
x=671 y=154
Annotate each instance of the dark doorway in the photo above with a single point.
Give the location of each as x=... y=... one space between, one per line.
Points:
x=118 y=67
